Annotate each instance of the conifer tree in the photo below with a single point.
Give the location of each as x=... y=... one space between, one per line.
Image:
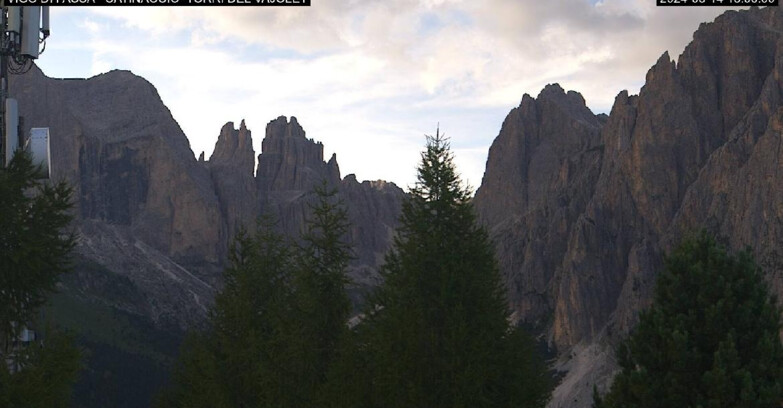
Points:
x=252 y=319
x=323 y=306
x=34 y=246
x=34 y=251
x=437 y=331
x=197 y=379
x=710 y=339
x=240 y=360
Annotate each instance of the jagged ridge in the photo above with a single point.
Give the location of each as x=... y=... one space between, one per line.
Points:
x=147 y=210
x=582 y=228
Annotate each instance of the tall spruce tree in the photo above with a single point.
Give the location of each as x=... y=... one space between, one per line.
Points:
x=252 y=320
x=323 y=306
x=710 y=339
x=34 y=251
x=437 y=331
x=240 y=360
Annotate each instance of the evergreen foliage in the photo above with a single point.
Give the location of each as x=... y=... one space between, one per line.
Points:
x=710 y=339
x=34 y=251
x=438 y=333
x=45 y=374
x=251 y=319
x=276 y=326
x=323 y=306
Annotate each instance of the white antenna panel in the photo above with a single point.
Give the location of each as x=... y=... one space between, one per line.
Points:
x=11 y=121
x=38 y=146
x=31 y=23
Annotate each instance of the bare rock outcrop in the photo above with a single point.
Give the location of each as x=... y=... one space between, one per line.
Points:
x=373 y=209
x=291 y=165
x=136 y=181
x=231 y=167
x=159 y=221
x=541 y=172
x=698 y=148
x=290 y=161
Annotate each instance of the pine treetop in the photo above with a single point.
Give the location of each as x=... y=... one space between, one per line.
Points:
x=710 y=338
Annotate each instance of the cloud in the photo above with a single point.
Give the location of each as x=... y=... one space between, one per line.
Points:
x=375 y=75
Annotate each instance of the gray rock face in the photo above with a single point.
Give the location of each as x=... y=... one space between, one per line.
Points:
x=231 y=167
x=161 y=221
x=290 y=161
x=697 y=148
x=144 y=206
x=373 y=208
x=291 y=165
x=541 y=172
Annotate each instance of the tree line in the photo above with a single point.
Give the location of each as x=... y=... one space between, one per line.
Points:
x=434 y=333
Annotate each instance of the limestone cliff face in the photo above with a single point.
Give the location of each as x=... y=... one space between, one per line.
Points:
x=290 y=161
x=118 y=145
x=541 y=171
x=291 y=165
x=231 y=166
x=661 y=147
x=373 y=208
x=144 y=206
x=699 y=147
x=161 y=221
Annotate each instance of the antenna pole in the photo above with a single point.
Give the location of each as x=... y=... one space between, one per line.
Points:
x=5 y=42
x=22 y=31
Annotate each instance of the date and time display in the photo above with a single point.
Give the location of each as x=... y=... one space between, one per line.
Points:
x=716 y=2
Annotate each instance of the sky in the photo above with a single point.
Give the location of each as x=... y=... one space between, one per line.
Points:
x=369 y=78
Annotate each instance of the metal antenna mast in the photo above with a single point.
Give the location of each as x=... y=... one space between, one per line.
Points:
x=24 y=30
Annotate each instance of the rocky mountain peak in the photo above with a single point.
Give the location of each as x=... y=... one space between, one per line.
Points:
x=657 y=145
x=523 y=159
x=572 y=103
x=333 y=168
x=282 y=128
x=663 y=66
x=552 y=89
x=291 y=161
x=155 y=223
x=231 y=167
x=583 y=207
x=540 y=174
x=234 y=147
x=143 y=205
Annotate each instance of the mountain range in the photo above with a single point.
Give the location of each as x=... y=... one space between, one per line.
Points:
x=155 y=224
x=582 y=207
